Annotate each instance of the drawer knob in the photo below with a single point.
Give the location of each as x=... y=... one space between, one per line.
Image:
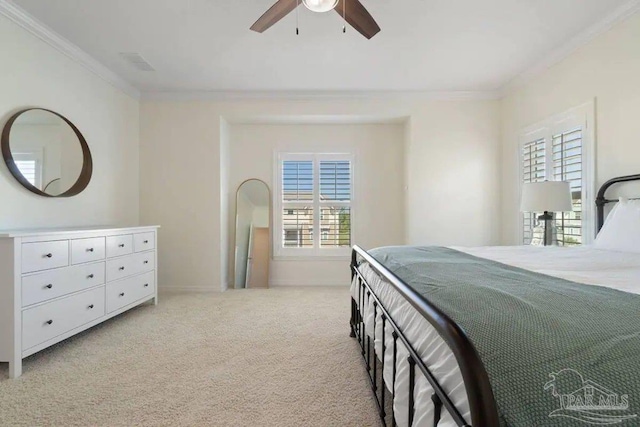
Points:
x=121 y=268
x=122 y=294
x=146 y=262
x=121 y=245
x=49 y=286
x=49 y=322
x=90 y=276
x=49 y=255
x=90 y=250
x=145 y=242
x=91 y=306
x=146 y=285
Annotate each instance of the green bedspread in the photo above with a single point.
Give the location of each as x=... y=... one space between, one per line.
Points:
x=557 y=353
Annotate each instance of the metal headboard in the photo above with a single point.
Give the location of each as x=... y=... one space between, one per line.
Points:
x=601 y=201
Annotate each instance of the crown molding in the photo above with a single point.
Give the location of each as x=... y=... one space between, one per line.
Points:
x=304 y=95
x=46 y=34
x=565 y=50
x=53 y=39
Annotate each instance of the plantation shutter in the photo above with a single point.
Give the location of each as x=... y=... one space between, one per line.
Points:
x=297 y=203
x=28 y=169
x=567 y=157
x=533 y=170
x=315 y=204
x=335 y=203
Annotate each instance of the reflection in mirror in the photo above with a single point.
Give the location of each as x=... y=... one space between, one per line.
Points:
x=253 y=215
x=46 y=152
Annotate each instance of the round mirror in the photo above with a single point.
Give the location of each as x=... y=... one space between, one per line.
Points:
x=46 y=153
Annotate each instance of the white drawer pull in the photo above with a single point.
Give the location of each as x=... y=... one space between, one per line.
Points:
x=122 y=294
x=49 y=322
x=49 y=286
x=49 y=255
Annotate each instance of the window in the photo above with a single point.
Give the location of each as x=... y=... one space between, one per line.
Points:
x=533 y=170
x=567 y=166
x=314 y=203
x=559 y=149
x=30 y=166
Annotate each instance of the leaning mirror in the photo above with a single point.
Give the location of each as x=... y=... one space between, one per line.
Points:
x=253 y=215
x=46 y=153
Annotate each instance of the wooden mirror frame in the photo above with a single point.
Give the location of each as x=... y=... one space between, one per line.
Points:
x=87 y=162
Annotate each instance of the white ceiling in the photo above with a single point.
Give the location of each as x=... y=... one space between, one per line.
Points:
x=427 y=45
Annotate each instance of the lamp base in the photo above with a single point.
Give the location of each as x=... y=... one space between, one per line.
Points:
x=548 y=228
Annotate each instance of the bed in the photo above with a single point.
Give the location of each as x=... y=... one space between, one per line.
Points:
x=431 y=361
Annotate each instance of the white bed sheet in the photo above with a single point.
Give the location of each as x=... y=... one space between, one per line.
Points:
x=587 y=265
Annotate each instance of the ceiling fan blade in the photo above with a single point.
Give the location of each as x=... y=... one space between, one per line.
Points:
x=278 y=11
x=358 y=17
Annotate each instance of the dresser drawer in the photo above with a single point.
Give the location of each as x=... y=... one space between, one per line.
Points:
x=44 y=255
x=126 y=266
x=144 y=242
x=145 y=261
x=130 y=290
x=119 y=245
x=87 y=250
x=47 y=321
x=55 y=283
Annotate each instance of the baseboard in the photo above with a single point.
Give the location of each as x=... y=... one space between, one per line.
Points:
x=284 y=283
x=186 y=289
x=273 y=284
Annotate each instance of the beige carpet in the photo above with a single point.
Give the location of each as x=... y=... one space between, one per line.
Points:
x=277 y=357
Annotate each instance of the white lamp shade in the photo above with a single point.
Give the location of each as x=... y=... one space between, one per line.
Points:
x=547 y=196
x=320 y=5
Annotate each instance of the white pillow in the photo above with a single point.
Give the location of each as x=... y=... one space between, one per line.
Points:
x=621 y=230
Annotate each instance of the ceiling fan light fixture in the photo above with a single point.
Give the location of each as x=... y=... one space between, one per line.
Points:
x=320 y=5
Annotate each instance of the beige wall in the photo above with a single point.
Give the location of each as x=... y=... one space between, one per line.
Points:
x=379 y=194
x=35 y=74
x=450 y=147
x=453 y=175
x=608 y=70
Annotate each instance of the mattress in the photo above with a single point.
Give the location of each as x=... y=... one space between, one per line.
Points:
x=587 y=265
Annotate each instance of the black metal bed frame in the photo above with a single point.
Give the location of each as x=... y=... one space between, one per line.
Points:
x=482 y=405
x=480 y=394
x=601 y=200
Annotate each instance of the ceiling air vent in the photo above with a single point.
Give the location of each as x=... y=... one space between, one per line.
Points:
x=136 y=60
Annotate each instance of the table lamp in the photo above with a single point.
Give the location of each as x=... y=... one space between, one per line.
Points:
x=547 y=197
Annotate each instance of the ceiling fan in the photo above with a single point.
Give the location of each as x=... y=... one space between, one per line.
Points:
x=352 y=10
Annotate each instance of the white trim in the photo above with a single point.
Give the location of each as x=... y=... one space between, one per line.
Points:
x=224 y=95
x=22 y=18
x=560 y=53
x=584 y=116
x=306 y=282
x=187 y=289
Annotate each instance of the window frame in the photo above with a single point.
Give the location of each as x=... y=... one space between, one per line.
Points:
x=582 y=116
x=317 y=252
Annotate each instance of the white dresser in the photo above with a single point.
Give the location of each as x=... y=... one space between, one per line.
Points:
x=56 y=283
